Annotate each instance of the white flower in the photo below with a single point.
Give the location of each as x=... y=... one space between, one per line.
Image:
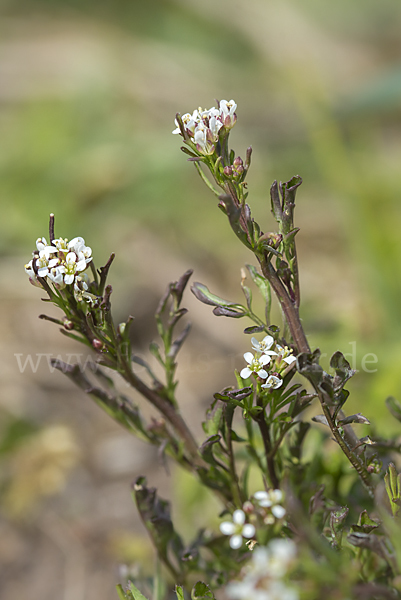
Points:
x=81 y=292
x=203 y=139
x=29 y=269
x=61 y=244
x=264 y=346
x=83 y=252
x=214 y=127
x=228 y=113
x=262 y=577
x=190 y=122
x=43 y=264
x=255 y=365
x=71 y=266
x=237 y=529
x=56 y=275
x=32 y=275
x=272 y=382
x=286 y=354
x=271 y=499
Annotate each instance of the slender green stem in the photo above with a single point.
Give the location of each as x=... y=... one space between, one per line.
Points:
x=233 y=472
x=120 y=592
x=265 y=432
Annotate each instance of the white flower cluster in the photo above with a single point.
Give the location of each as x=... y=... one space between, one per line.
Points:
x=203 y=126
x=264 y=355
x=61 y=262
x=263 y=576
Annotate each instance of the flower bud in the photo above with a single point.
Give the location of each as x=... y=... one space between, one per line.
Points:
x=68 y=324
x=228 y=171
x=121 y=328
x=157 y=426
x=97 y=344
x=238 y=162
x=248 y=507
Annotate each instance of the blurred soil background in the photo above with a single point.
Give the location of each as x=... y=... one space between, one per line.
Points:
x=88 y=94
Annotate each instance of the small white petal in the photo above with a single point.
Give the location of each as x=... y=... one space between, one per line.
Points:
x=276 y=496
x=239 y=517
x=81 y=265
x=227 y=528
x=268 y=341
x=236 y=541
x=76 y=244
x=262 y=495
x=278 y=511
x=248 y=357
x=68 y=279
x=262 y=373
x=289 y=359
x=265 y=503
x=246 y=372
x=248 y=530
x=71 y=258
x=264 y=359
x=43 y=272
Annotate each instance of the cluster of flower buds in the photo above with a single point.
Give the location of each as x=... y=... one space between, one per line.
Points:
x=203 y=127
x=61 y=262
x=279 y=359
x=236 y=170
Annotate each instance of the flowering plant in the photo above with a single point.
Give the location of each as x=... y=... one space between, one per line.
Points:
x=291 y=528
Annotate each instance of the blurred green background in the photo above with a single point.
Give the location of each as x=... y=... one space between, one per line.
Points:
x=88 y=94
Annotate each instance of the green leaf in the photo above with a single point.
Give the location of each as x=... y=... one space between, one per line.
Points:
x=206 y=449
x=357 y=418
x=179 y=592
x=236 y=438
x=135 y=592
x=394 y=407
x=155 y=515
x=221 y=311
x=234 y=216
x=248 y=295
x=343 y=370
x=254 y=329
x=121 y=594
x=202 y=293
x=264 y=289
x=201 y=591
x=155 y=350
x=206 y=181
x=213 y=418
